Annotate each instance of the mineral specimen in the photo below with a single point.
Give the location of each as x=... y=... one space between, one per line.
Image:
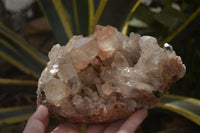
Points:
x=106 y=76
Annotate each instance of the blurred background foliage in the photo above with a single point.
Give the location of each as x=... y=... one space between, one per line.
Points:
x=29 y=30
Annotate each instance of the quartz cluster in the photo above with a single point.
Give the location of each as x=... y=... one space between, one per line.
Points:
x=106 y=76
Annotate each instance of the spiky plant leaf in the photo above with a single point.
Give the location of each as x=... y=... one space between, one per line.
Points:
x=19 y=53
x=184 y=106
x=15 y=86
x=170 y=17
x=183 y=26
x=81 y=16
x=12 y=115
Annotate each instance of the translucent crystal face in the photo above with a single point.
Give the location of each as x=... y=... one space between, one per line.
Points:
x=96 y=74
x=55 y=90
x=66 y=75
x=84 y=50
x=106 y=90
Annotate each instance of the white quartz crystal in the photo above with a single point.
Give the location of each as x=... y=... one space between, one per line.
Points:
x=55 y=90
x=107 y=72
x=106 y=89
x=66 y=75
x=84 y=50
x=53 y=54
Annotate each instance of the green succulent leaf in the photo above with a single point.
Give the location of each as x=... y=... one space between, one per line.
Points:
x=116 y=14
x=184 y=106
x=182 y=27
x=18 y=59
x=170 y=17
x=62 y=18
x=134 y=22
x=13 y=115
x=83 y=13
x=54 y=19
x=16 y=86
x=7 y=33
x=18 y=52
x=69 y=17
x=143 y=14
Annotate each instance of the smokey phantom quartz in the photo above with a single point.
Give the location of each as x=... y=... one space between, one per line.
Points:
x=106 y=76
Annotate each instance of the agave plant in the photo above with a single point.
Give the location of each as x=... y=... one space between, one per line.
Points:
x=72 y=17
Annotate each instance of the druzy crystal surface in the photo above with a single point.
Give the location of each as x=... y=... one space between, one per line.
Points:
x=106 y=76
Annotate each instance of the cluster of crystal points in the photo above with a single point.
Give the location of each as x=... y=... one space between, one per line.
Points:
x=105 y=69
